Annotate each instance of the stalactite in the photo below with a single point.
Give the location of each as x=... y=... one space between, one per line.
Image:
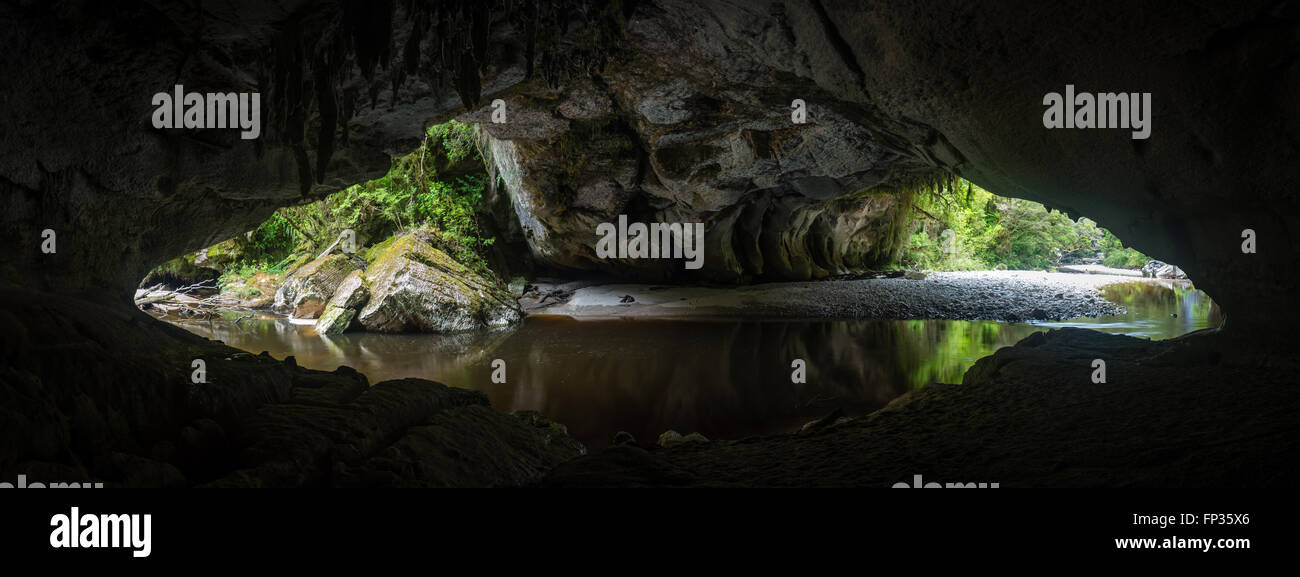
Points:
x=310 y=73
x=530 y=38
x=328 y=116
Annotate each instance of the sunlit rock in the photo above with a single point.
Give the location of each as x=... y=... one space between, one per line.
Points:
x=305 y=293
x=342 y=308
x=415 y=287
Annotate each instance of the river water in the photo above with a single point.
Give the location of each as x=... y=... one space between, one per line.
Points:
x=726 y=379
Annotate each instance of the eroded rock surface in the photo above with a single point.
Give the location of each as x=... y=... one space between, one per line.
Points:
x=677 y=110
x=895 y=90
x=414 y=287
x=341 y=309
x=307 y=290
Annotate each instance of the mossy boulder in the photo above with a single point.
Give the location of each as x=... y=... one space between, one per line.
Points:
x=305 y=293
x=342 y=308
x=179 y=272
x=335 y=320
x=219 y=255
x=415 y=287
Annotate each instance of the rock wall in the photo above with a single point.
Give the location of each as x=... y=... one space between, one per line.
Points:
x=690 y=121
x=345 y=87
x=667 y=110
x=779 y=201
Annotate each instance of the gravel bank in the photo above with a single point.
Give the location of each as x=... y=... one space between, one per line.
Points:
x=991 y=295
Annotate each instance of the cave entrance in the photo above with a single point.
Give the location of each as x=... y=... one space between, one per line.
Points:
x=1030 y=253
x=972 y=273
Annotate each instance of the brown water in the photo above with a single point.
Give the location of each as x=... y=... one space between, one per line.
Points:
x=723 y=378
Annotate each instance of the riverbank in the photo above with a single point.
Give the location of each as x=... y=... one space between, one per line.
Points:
x=1199 y=411
x=725 y=378
x=980 y=295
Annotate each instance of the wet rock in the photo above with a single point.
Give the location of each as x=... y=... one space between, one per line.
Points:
x=1151 y=267
x=335 y=320
x=352 y=292
x=1158 y=269
x=342 y=308
x=914 y=275
x=305 y=293
x=1170 y=272
x=517 y=286
x=415 y=287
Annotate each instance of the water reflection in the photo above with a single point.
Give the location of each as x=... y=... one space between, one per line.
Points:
x=723 y=378
x=1155 y=310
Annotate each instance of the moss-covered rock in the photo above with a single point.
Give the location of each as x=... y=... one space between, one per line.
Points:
x=342 y=308
x=179 y=272
x=415 y=287
x=335 y=320
x=306 y=291
x=219 y=255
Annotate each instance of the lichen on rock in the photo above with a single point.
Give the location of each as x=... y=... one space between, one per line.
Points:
x=305 y=293
x=415 y=287
x=342 y=308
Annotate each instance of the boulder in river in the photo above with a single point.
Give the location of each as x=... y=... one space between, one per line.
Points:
x=335 y=320
x=305 y=293
x=342 y=308
x=1170 y=271
x=414 y=287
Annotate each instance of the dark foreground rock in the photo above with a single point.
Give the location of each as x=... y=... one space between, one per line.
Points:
x=102 y=392
x=409 y=432
x=1189 y=412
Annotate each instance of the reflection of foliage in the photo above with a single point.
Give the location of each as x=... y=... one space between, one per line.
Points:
x=948 y=348
x=991 y=231
x=940 y=351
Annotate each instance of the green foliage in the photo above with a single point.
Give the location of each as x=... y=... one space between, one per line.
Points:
x=178 y=271
x=456 y=140
x=438 y=186
x=988 y=231
x=274 y=237
x=1125 y=258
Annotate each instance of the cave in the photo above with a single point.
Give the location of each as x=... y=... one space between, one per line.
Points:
x=659 y=111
